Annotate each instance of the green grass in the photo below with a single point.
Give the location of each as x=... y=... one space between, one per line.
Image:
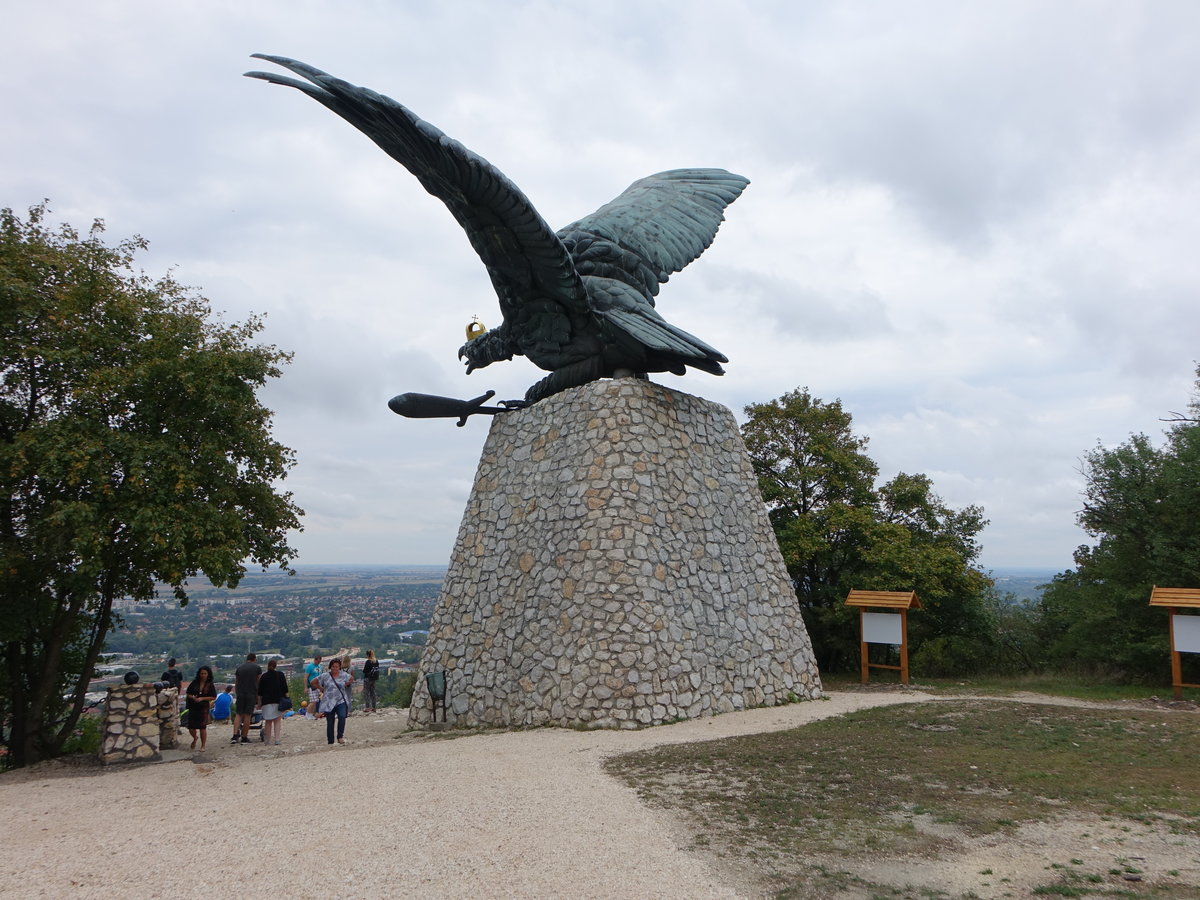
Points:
x=890 y=780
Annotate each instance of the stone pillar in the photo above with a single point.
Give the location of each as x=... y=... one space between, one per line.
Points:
x=139 y=722
x=168 y=719
x=615 y=567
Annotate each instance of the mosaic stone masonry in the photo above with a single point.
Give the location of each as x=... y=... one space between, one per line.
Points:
x=139 y=723
x=615 y=567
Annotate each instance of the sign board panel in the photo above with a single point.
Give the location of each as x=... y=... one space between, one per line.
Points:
x=884 y=628
x=1187 y=633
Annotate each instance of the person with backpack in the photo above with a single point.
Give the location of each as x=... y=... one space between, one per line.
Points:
x=370 y=677
x=172 y=677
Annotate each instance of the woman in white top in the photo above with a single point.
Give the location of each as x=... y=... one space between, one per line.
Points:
x=334 y=686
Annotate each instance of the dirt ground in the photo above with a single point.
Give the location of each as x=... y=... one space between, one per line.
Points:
x=498 y=814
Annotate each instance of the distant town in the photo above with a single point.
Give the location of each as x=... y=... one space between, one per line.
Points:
x=328 y=609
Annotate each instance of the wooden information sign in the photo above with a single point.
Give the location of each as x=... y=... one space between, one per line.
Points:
x=883 y=627
x=1185 y=629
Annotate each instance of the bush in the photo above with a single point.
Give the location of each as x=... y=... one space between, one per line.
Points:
x=396 y=689
x=951 y=655
x=86 y=736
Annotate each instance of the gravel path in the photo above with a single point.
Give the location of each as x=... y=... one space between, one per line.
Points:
x=512 y=814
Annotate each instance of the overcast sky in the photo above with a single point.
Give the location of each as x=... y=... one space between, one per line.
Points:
x=974 y=223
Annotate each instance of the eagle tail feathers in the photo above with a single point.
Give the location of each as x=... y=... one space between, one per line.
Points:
x=659 y=336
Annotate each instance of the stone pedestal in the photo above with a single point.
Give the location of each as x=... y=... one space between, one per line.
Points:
x=615 y=567
x=139 y=722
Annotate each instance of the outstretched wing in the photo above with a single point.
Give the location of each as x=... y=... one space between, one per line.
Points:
x=657 y=226
x=523 y=256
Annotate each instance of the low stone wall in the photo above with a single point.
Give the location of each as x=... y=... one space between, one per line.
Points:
x=139 y=723
x=615 y=568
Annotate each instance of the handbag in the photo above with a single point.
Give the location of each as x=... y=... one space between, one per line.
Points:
x=285 y=703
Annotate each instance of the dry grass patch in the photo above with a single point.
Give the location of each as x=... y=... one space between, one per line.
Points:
x=921 y=780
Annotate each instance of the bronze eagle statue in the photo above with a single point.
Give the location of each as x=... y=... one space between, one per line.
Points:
x=578 y=302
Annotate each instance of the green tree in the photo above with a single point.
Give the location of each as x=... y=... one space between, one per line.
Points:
x=396 y=689
x=1142 y=506
x=133 y=449
x=838 y=531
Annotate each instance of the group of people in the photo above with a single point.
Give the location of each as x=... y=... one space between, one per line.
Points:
x=252 y=689
x=329 y=693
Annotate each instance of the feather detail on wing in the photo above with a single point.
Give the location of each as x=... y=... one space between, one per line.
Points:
x=522 y=254
x=660 y=338
x=663 y=222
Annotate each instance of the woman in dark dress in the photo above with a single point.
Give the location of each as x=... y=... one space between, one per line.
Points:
x=200 y=693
